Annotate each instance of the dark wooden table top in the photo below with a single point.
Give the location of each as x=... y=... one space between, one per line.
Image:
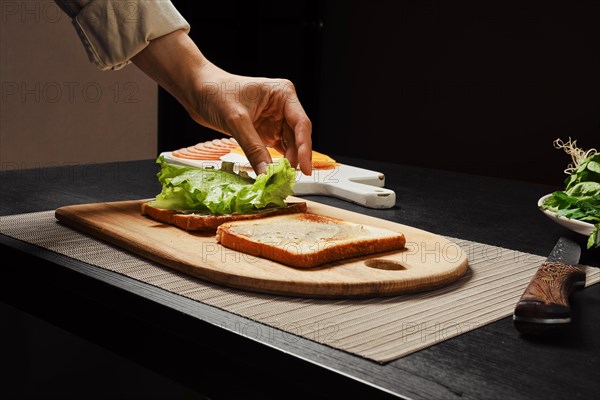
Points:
x=71 y=330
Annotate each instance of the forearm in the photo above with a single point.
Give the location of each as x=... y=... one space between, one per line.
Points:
x=174 y=62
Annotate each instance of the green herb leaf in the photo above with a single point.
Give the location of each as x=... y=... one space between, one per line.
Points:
x=594 y=239
x=581 y=198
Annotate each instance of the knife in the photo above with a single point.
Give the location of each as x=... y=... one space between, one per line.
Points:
x=544 y=306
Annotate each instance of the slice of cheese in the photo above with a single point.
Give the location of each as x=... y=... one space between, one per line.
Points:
x=319 y=160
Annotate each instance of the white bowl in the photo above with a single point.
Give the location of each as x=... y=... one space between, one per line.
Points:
x=584 y=228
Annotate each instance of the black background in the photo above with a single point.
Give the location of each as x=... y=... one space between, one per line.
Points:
x=476 y=87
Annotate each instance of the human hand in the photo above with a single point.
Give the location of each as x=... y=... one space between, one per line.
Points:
x=257 y=112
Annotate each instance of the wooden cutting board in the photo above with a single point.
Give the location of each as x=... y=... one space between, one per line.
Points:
x=427 y=262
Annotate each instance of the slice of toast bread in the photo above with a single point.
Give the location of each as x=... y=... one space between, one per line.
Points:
x=196 y=222
x=306 y=240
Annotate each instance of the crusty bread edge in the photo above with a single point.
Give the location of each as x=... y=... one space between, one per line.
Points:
x=191 y=222
x=326 y=255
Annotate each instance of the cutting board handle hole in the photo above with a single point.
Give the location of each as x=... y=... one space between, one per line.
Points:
x=388 y=265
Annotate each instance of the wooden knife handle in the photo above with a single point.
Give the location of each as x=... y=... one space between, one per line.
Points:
x=544 y=305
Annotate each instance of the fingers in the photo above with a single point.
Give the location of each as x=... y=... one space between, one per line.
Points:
x=304 y=146
x=251 y=143
x=288 y=144
x=300 y=125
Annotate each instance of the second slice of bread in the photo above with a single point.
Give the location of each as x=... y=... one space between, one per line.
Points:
x=306 y=240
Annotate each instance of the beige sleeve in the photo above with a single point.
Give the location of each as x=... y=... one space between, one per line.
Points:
x=113 y=31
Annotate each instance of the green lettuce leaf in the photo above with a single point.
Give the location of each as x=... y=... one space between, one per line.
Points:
x=214 y=191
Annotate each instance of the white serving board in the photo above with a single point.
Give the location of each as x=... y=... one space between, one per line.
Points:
x=356 y=185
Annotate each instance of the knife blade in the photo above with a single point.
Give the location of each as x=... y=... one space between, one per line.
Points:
x=544 y=306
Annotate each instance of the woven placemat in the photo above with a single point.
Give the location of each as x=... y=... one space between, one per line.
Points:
x=381 y=329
